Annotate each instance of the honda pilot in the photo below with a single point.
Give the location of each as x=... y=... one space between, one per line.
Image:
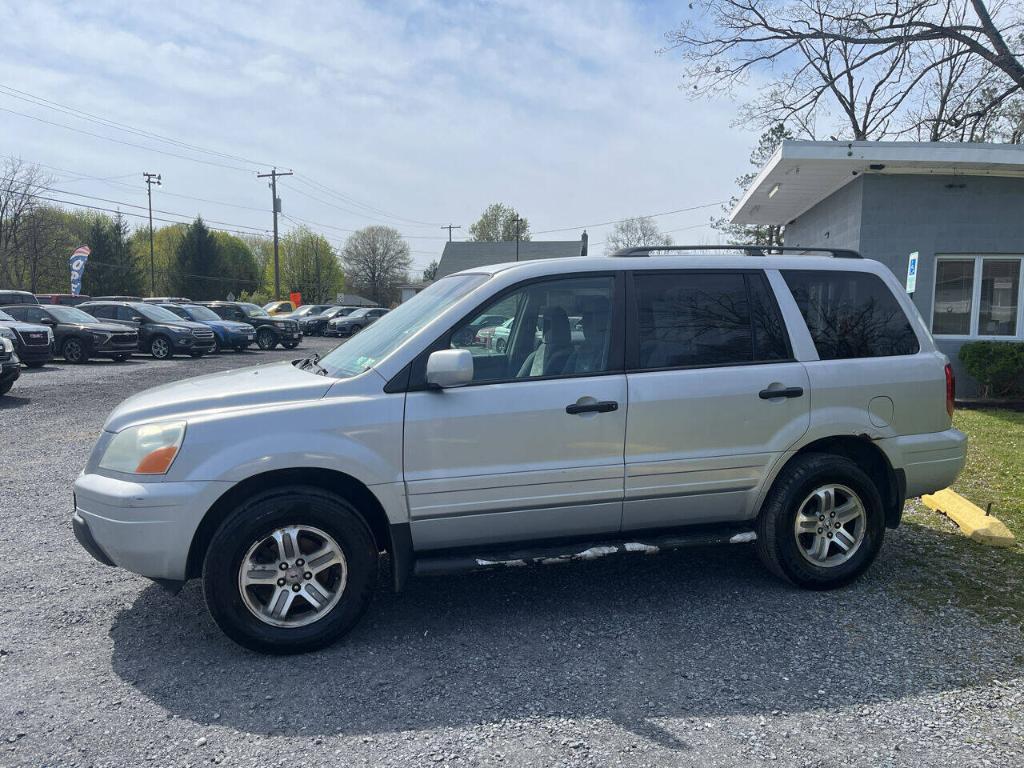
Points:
x=791 y=401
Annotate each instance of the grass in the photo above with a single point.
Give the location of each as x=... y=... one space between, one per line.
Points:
x=944 y=568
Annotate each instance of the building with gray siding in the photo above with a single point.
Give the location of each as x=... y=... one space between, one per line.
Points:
x=960 y=207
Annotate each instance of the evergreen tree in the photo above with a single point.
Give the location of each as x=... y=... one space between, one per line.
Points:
x=196 y=270
x=111 y=270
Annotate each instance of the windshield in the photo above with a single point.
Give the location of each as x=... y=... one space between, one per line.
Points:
x=251 y=310
x=154 y=313
x=386 y=335
x=201 y=313
x=70 y=314
x=5 y=316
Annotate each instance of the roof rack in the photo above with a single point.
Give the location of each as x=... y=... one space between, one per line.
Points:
x=749 y=250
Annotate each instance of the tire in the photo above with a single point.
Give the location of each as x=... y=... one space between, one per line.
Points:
x=216 y=346
x=500 y=345
x=160 y=348
x=74 y=351
x=266 y=339
x=315 y=512
x=801 y=487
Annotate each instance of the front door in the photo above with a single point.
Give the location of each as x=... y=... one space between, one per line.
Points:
x=715 y=397
x=533 y=447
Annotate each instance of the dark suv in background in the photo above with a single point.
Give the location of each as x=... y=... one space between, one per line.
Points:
x=270 y=331
x=16 y=297
x=161 y=333
x=77 y=334
x=227 y=333
x=33 y=343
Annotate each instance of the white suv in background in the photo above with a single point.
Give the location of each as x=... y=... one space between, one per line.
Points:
x=795 y=401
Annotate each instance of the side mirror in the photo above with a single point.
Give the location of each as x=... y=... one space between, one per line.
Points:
x=48 y=321
x=136 y=318
x=449 y=368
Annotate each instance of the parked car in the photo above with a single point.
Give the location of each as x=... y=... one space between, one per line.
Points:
x=167 y=300
x=8 y=298
x=470 y=335
x=77 y=334
x=315 y=325
x=227 y=334
x=33 y=343
x=67 y=299
x=790 y=401
x=278 y=307
x=308 y=309
x=161 y=333
x=354 y=322
x=10 y=365
x=116 y=298
x=270 y=331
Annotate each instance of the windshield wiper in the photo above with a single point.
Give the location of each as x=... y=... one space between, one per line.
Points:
x=313 y=362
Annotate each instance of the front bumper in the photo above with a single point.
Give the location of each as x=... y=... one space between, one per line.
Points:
x=931 y=461
x=146 y=528
x=10 y=370
x=192 y=345
x=110 y=348
x=35 y=353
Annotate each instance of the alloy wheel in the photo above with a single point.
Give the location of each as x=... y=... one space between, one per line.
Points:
x=160 y=348
x=73 y=351
x=830 y=525
x=293 y=576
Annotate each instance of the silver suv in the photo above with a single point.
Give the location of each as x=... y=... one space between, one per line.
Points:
x=790 y=401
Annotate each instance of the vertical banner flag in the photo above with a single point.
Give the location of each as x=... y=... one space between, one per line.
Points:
x=78 y=259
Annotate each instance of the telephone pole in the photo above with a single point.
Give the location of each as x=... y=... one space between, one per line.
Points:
x=519 y=221
x=151 y=179
x=274 y=173
x=450 y=227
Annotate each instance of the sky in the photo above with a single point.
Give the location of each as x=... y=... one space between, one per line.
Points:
x=413 y=114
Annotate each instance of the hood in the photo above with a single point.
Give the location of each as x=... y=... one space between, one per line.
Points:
x=239 y=388
x=189 y=324
x=24 y=327
x=227 y=325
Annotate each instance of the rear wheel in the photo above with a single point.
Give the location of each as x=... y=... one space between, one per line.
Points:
x=74 y=350
x=290 y=570
x=160 y=348
x=822 y=524
x=266 y=339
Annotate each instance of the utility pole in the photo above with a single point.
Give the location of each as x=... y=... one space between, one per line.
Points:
x=151 y=179
x=450 y=227
x=519 y=221
x=274 y=173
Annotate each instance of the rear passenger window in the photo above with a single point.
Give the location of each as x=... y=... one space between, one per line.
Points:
x=689 y=319
x=851 y=314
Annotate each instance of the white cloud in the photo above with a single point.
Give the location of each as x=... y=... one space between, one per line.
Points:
x=428 y=110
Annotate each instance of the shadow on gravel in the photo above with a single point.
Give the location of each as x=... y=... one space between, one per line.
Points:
x=699 y=633
x=10 y=402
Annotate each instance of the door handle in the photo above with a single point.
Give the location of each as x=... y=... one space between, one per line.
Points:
x=771 y=394
x=601 y=406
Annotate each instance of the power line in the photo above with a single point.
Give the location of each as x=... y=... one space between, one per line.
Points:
x=353 y=201
x=642 y=216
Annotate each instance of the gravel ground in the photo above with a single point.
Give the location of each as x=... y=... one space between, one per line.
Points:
x=692 y=658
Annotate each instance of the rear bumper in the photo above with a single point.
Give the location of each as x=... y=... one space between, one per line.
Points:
x=146 y=528
x=930 y=462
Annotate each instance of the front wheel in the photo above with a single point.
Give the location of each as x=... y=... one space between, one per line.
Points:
x=266 y=339
x=160 y=348
x=74 y=351
x=290 y=570
x=822 y=524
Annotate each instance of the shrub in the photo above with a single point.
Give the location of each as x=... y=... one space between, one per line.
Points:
x=997 y=365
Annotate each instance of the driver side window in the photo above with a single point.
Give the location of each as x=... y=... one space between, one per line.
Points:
x=559 y=327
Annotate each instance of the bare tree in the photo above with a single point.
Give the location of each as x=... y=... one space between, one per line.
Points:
x=376 y=260
x=868 y=70
x=19 y=190
x=637 y=231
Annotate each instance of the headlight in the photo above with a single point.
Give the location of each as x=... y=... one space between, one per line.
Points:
x=100 y=336
x=6 y=345
x=49 y=335
x=6 y=333
x=148 y=449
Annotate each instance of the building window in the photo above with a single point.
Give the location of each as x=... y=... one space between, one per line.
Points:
x=977 y=296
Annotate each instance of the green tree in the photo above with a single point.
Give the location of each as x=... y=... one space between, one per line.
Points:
x=430 y=273
x=754 y=234
x=309 y=265
x=498 y=223
x=197 y=270
x=165 y=245
x=241 y=272
x=111 y=269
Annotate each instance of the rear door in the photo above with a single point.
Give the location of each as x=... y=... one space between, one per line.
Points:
x=533 y=447
x=715 y=395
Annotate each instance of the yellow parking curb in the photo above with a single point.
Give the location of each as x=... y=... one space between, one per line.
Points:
x=972 y=520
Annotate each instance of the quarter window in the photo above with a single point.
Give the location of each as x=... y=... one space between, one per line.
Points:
x=693 y=319
x=851 y=314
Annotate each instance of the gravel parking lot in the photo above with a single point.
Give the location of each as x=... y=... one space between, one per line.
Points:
x=691 y=658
